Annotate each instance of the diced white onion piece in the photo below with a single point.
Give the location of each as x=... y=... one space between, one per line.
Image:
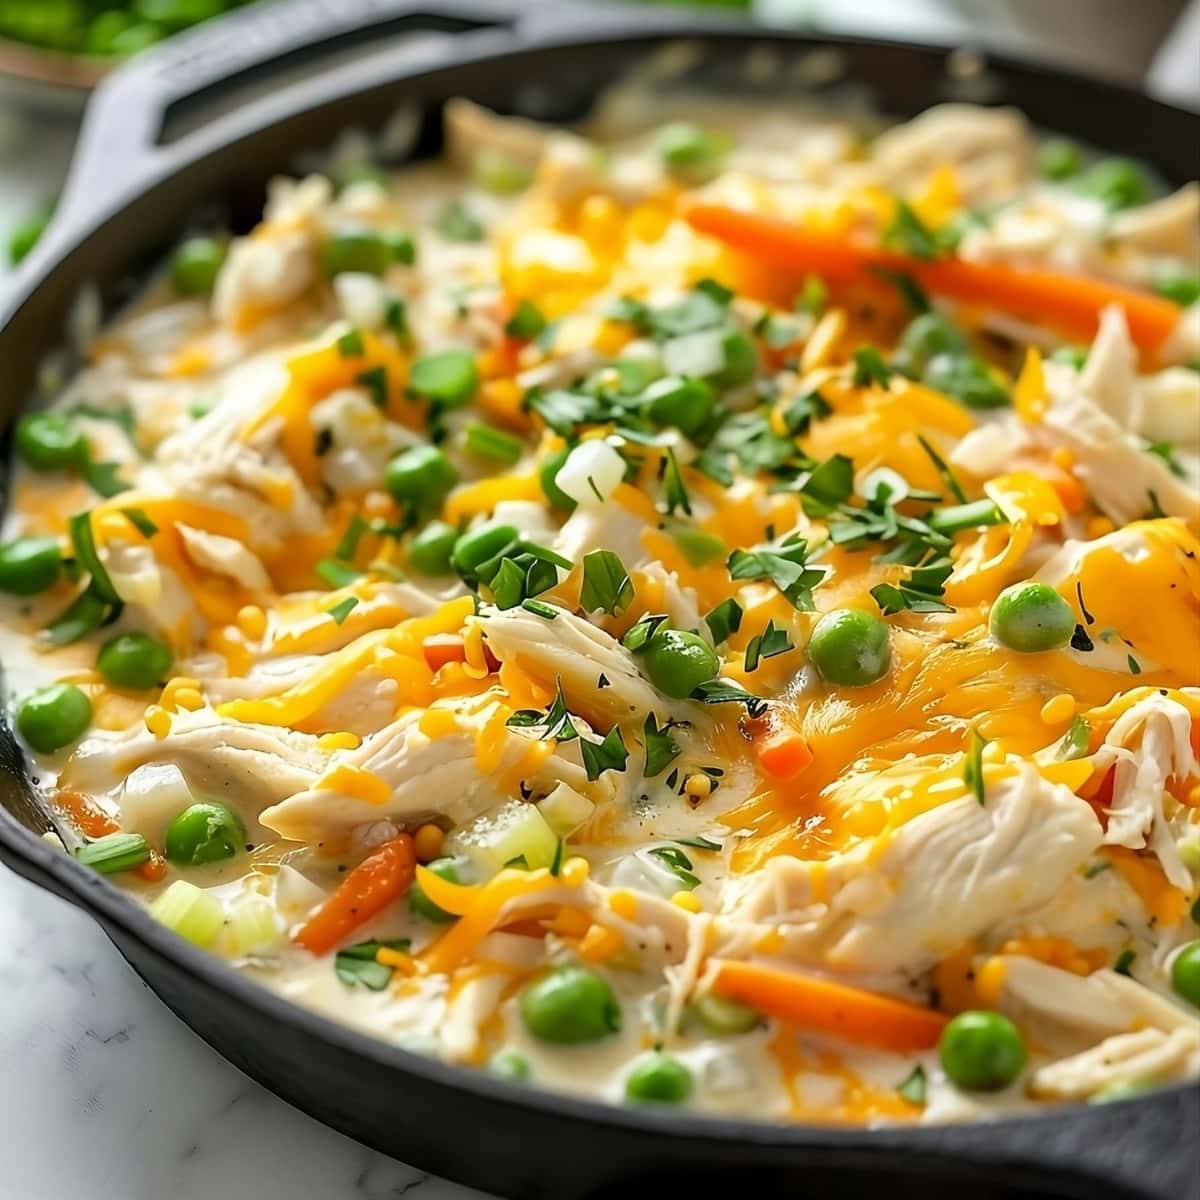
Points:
x=565 y=810
x=152 y=796
x=591 y=473
x=361 y=299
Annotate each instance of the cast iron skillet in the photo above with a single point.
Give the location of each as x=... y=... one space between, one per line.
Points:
x=148 y=160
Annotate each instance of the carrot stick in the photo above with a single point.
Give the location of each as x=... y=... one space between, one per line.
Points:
x=822 y=1005
x=1072 y=304
x=379 y=880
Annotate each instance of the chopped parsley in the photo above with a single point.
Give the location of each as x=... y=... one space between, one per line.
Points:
x=909 y=233
x=675 y=493
x=768 y=644
x=555 y=722
x=725 y=619
x=719 y=692
x=678 y=864
x=785 y=564
x=642 y=631
x=870 y=367
x=661 y=748
x=606 y=583
x=921 y=592
x=609 y=754
x=973 y=768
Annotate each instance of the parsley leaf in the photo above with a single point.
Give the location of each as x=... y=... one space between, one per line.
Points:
x=607 y=755
x=675 y=493
x=661 y=748
x=678 y=864
x=785 y=564
x=827 y=485
x=555 y=721
x=870 y=367
x=717 y=692
x=357 y=965
x=639 y=634
x=725 y=619
x=768 y=644
x=606 y=583
x=921 y=592
x=909 y=233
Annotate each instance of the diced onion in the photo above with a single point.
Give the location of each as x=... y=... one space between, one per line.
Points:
x=565 y=810
x=361 y=299
x=591 y=473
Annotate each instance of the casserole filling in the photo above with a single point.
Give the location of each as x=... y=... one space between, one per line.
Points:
x=703 y=615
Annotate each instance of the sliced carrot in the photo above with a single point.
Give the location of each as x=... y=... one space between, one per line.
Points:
x=93 y=822
x=783 y=754
x=443 y=648
x=380 y=879
x=824 y=1006
x=1072 y=304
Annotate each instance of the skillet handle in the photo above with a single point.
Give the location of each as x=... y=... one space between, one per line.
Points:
x=121 y=145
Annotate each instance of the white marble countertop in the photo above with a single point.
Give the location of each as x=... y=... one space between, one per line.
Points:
x=105 y=1093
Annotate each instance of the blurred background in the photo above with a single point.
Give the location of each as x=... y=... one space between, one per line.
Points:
x=53 y=52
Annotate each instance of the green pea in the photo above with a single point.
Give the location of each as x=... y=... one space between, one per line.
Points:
x=1179 y=286
x=1059 y=159
x=478 y=547
x=679 y=662
x=721 y=1015
x=926 y=337
x=982 y=1051
x=134 y=660
x=850 y=648
x=443 y=868
x=50 y=442
x=54 y=717
x=355 y=249
x=1030 y=617
x=29 y=565
x=205 y=832
x=740 y=358
x=1123 y=1089
x=968 y=380
x=508 y=1064
x=548 y=472
x=430 y=551
x=691 y=150
x=658 y=1078
x=569 y=1005
x=196 y=265
x=449 y=376
x=420 y=475
x=1118 y=182
x=1185 y=973
x=685 y=403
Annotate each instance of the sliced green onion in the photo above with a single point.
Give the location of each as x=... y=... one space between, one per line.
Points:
x=490 y=442
x=114 y=852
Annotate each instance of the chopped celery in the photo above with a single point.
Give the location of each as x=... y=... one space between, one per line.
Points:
x=253 y=926
x=190 y=912
x=515 y=830
x=565 y=810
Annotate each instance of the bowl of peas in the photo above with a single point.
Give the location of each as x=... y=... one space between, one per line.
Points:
x=53 y=52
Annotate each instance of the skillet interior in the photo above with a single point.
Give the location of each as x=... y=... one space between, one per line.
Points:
x=124 y=205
